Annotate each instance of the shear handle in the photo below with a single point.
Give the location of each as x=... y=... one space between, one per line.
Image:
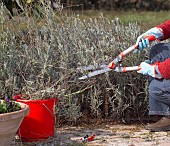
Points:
x=113 y=64
x=131 y=68
x=126 y=69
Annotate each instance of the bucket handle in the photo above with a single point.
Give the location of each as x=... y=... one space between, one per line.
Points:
x=21 y=96
x=53 y=114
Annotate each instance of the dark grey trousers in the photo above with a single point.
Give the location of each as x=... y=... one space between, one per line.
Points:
x=159 y=90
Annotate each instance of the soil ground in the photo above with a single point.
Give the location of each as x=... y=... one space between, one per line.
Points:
x=105 y=135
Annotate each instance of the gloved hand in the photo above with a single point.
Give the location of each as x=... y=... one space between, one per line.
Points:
x=147 y=69
x=143 y=43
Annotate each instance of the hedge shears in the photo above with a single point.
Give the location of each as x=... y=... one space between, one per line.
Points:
x=114 y=65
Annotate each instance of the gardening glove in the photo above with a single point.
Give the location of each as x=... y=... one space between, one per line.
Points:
x=144 y=43
x=151 y=70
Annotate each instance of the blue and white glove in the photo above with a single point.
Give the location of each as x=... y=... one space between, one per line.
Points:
x=151 y=70
x=144 y=43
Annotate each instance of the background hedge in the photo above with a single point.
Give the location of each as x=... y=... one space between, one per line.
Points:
x=151 y=5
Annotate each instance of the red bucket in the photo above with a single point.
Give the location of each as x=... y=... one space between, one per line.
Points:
x=40 y=123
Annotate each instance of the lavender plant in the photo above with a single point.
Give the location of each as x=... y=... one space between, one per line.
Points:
x=40 y=58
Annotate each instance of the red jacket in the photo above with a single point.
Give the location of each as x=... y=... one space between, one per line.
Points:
x=164 y=67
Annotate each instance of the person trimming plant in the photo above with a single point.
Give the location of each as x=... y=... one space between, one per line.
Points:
x=158 y=71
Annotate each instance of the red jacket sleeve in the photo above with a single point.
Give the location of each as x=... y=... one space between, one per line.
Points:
x=166 y=29
x=164 y=68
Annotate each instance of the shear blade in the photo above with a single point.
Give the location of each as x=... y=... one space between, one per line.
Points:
x=92 y=67
x=95 y=73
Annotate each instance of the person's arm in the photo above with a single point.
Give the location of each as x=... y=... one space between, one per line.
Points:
x=164 y=68
x=158 y=70
x=165 y=27
x=160 y=32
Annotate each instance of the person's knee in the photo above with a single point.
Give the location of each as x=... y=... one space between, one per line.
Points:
x=159 y=91
x=155 y=88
